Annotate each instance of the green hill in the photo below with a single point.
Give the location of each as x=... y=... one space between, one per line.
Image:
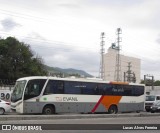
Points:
x=66 y=72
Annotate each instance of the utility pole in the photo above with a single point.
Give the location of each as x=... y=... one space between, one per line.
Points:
x=117 y=75
x=130 y=75
x=129 y=71
x=148 y=81
x=102 y=50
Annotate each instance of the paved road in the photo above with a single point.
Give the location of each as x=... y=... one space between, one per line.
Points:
x=73 y=116
x=117 y=120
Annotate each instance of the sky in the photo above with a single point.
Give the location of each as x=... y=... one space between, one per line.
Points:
x=66 y=33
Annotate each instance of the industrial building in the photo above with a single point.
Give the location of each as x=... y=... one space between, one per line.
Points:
x=129 y=67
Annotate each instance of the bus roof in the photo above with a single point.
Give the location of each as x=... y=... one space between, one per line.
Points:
x=78 y=79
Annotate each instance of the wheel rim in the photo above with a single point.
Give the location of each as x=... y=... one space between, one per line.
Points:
x=48 y=111
x=113 y=110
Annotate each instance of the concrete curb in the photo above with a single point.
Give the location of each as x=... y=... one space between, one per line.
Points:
x=73 y=116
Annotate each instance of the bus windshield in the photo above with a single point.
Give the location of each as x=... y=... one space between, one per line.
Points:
x=18 y=91
x=150 y=98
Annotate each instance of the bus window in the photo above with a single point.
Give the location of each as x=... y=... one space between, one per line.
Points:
x=34 y=88
x=60 y=87
x=116 y=90
x=54 y=87
x=138 y=90
x=72 y=87
x=96 y=90
x=89 y=88
x=18 y=90
x=158 y=98
x=127 y=90
x=108 y=89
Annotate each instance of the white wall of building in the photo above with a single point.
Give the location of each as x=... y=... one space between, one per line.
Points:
x=155 y=91
x=110 y=63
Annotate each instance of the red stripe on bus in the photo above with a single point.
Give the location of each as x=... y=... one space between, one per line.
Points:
x=95 y=107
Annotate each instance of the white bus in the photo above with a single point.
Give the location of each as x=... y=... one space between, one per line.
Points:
x=49 y=95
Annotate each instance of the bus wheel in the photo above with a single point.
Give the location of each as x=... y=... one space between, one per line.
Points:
x=2 y=111
x=137 y=111
x=148 y=110
x=113 y=109
x=49 y=109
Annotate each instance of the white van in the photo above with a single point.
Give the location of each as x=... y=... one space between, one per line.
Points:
x=150 y=100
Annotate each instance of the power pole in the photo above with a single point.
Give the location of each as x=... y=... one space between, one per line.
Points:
x=129 y=71
x=148 y=81
x=117 y=75
x=130 y=75
x=102 y=50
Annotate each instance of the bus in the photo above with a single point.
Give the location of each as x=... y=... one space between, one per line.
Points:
x=50 y=95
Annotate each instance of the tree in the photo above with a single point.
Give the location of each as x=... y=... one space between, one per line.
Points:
x=142 y=81
x=157 y=83
x=17 y=60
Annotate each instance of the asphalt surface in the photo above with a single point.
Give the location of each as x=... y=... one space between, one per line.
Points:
x=91 y=124
x=13 y=116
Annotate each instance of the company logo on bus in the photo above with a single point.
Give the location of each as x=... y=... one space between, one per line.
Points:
x=66 y=99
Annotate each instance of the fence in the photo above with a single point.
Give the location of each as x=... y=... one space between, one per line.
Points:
x=6 y=87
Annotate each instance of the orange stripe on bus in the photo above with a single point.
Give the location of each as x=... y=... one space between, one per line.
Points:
x=107 y=101
x=119 y=83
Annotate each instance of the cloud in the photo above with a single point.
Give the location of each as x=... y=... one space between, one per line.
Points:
x=9 y=24
x=81 y=22
x=58 y=54
x=151 y=67
x=158 y=39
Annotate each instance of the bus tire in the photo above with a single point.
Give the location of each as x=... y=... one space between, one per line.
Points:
x=138 y=111
x=147 y=110
x=113 y=109
x=2 y=111
x=49 y=109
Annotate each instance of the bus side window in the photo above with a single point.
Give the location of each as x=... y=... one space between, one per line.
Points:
x=108 y=89
x=138 y=90
x=34 y=88
x=96 y=90
x=54 y=87
x=26 y=91
x=48 y=89
x=60 y=87
x=158 y=98
x=72 y=87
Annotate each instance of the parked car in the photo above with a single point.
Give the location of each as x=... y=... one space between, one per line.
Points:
x=4 y=107
x=155 y=107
